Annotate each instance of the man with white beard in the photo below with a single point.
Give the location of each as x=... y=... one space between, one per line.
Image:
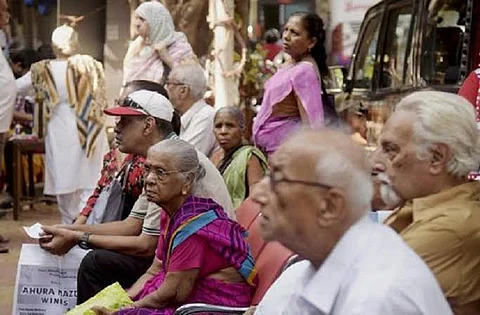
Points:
x=429 y=145
x=384 y=199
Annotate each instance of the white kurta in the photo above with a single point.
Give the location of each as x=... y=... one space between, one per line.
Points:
x=8 y=92
x=67 y=168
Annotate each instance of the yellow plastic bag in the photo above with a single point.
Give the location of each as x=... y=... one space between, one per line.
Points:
x=112 y=297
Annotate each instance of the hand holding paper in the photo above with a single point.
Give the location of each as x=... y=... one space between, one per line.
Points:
x=35 y=231
x=58 y=241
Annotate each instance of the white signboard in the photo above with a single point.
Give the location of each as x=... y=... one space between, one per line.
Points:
x=46 y=284
x=346 y=18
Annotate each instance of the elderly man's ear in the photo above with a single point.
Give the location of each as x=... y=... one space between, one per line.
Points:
x=440 y=155
x=331 y=207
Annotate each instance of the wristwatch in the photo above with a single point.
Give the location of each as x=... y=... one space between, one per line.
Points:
x=83 y=244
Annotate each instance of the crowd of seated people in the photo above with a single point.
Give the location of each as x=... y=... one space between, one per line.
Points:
x=316 y=190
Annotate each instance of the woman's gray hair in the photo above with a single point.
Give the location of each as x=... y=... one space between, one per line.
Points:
x=185 y=155
x=449 y=119
x=236 y=114
x=193 y=75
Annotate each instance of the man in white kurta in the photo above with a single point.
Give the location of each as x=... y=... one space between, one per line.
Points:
x=70 y=172
x=8 y=93
x=319 y=209
x=186 y=86
x=8 y=90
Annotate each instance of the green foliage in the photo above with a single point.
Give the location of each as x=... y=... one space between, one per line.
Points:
x=256 y=72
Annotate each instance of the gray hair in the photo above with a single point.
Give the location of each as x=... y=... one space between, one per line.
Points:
x=185 y=156
x=192 y=75
x=337 y=170
x=235 y=113
x=449 y=119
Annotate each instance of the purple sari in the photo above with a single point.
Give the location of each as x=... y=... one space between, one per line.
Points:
x=270 y=132
x=205 y=218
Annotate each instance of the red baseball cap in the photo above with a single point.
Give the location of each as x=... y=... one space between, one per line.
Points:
x=144 y=103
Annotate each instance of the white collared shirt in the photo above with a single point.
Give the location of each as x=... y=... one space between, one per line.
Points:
x=8 y=94
x=370 y=271
x=197 y=127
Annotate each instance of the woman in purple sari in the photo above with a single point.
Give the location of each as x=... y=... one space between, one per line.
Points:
x=293 y=94
x=201 y=256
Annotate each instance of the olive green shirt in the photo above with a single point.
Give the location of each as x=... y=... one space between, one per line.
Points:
x=444 y=229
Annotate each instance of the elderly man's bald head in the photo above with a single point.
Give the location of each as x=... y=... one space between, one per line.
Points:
x=318 y=143
x=319 y=186
x=331 y=158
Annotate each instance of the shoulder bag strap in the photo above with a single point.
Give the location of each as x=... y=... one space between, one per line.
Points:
x=125 y=175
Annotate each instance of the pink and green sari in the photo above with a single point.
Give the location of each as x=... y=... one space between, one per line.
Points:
x=205 y=218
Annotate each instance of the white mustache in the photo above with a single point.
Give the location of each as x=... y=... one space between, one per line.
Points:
x=388 y=195
x=382 y=177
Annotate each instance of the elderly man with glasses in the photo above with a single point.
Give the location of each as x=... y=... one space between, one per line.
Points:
x=319 y=209
x=123 y=250
x=186 y=86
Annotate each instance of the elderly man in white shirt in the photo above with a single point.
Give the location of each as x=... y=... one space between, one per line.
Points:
x=186 y=86
x=318 y=209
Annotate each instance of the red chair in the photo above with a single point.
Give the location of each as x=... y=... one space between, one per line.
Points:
x=271 y=262
x=247 y=213
x=254 y=239
x=271 y=259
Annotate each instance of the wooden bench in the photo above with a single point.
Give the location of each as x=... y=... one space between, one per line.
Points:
x=22 y=147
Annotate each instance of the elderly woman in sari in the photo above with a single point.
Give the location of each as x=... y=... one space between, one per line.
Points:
x=293 y=94
x=201 y=254
x=158 y=46
x=241 y=165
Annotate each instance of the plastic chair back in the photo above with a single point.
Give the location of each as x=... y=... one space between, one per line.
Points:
x=254 y=239
x=246 y=213
x=270 y=264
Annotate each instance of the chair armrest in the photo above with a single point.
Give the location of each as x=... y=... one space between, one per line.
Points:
x=195 y=308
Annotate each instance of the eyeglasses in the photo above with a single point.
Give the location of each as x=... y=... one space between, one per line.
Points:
x=159 y=173
x=277 y=177
x=128 y=102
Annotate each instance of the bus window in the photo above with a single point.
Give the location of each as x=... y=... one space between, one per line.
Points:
x=366 y=56
x=396 y=58
x=442 y=45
